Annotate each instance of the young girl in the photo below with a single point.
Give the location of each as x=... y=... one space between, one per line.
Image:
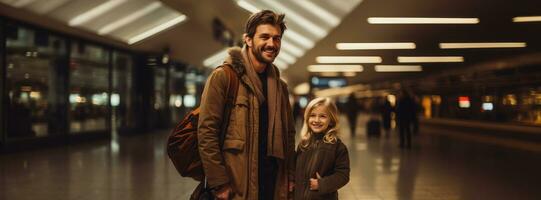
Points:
x=322 y=159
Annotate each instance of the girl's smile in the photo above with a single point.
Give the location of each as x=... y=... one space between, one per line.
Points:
x=319 y=120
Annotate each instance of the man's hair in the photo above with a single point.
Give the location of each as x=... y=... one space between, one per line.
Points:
x=264 y=17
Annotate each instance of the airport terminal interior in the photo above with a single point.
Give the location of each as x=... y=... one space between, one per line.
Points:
x=91 y=91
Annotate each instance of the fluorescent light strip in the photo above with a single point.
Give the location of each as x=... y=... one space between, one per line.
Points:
x=348 y=59
x=292 y=35
x=298 y=19
x=421 y=20
x=366 y=46
x=527 y=19
x=157 y=29
x=302 y=89
x=482 y=45
x=281 y=64
x=215 y=58
x=318 y=11
x=248 y=6
x=330 y=74
x=287 y=46
x=50 y=6
x=287 y=57
x=95 y=12
x=429 y=59
x=129 y=19
x=335 y=68
x=398 y=68
x=349 y=74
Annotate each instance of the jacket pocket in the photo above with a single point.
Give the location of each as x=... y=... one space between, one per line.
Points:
x=235 y=161
x=238 y=121
x=232 y=144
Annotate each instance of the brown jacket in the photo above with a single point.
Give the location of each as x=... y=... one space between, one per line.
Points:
x=331 y=161
x=237 y=163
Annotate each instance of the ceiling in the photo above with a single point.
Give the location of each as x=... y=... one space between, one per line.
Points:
x=191 y=40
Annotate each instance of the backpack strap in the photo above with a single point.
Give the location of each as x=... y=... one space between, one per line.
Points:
x=232 y=90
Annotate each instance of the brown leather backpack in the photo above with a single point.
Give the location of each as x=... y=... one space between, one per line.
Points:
x=182 y=146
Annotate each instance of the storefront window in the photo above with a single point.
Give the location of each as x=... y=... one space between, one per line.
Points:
x=177 y=90
x=89 y=83
x=122 y=96
x=160 y=97
x=35 y=61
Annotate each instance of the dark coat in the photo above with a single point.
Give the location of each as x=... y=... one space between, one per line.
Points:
x=331 y=161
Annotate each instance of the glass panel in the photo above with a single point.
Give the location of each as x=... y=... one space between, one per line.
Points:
x=159 y=103
x=89 y=83
x=177 y=90
x=4 y=100
x=34 y=82
x=122 y=97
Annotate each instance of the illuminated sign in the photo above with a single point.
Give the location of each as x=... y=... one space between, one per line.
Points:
x=487 y=106
x=464 y=102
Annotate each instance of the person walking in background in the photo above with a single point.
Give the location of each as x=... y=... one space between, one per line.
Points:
x=322 y=158
x=405 y=114
x=351 y=110
x=417 y=109
x=386 y=112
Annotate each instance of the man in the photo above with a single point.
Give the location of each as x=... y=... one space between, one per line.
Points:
x=257 y=158
x=405 y=114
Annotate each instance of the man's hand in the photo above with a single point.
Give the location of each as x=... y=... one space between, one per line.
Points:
x=291 y=186
x=224 y=192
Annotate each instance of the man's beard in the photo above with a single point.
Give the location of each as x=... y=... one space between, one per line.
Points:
x=259 y=55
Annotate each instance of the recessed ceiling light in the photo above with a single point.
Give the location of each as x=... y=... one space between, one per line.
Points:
x=527 y=19
x=348 y=59
x=287 y=57
x=280 y=63
x=298 y=38
x=349 y=74
x=215 y=59
x=157 y=29
x=289 y=47
x=335 y=68
x=310 y=26
x=421 y=20
x=482 y=45
x=329 y=74
x=129 y=19
x=398 y=68
x=248 y=6
x=95 y=12
x=322 y=13
x=365 y=46
x=429 y=59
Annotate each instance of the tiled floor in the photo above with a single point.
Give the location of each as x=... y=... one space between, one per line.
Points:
x=437 y=167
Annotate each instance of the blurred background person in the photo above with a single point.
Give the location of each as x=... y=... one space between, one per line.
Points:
x=386 y=112
x=405 y=114
x=352 y=111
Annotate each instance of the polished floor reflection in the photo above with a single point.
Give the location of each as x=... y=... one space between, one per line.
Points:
x=437 y=167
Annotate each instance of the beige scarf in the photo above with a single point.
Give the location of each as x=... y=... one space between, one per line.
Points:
x=277 y=105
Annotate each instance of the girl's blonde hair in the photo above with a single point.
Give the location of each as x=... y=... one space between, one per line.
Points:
x=330 y=136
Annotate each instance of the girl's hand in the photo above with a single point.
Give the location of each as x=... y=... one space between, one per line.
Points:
x=291 y=186
x=314 y=183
